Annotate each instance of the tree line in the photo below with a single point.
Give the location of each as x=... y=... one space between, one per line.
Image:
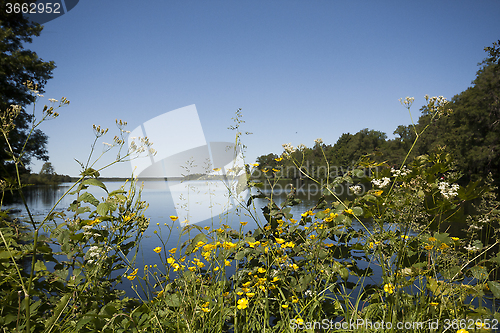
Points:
x=470 y=132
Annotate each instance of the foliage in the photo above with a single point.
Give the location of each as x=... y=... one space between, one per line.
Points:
x=18 y=66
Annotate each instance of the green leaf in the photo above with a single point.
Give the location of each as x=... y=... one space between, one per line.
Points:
x=357 y=211
x=87 y=197
x=95 y=182
x=58 y=311
x=103 y=208
x=495 y=288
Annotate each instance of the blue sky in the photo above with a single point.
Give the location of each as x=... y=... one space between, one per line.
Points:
x=300 y=70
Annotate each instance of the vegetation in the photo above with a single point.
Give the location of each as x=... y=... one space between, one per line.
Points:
x=313 y=271
x=18 y=66
x=470 y=133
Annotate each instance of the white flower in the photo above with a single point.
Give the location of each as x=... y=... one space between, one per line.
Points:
x=288 y=148
x=448 y=191
x=381 y=182
x=318 y=141
x=356 y=189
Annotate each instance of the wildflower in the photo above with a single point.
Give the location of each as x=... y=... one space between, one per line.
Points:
x=192 y=269
x=434 y=303
x=253 y=244
x=389 y=288
x=428 y=247
x=462 y=330
x=228 y=245
x=173 y=250
x=157 y=249
x=206 y=228
x=288 y=148
x=313 y=237
x=279 y=159
x=455 y=238
x=131 y=277
x=176 y=267
x=295 y=299
x=432 y=239
x=227 y=263
x=404 y=236
x=216 y=269
x=284 y=306
x=205 y=309
x=356 y=189
x=275 y=279
x=170 y=260
x=255 y=164
x=250 y=294
x=348 y=211
x=443 y=246
x=261 y=270
x=275 y=170
x=243 y=223
x=242 y=303
x=299 y=321
x=225 y=294
x=294 y=266
x=174 y=218
x=217 y=169
x=370 y=245
x=379 y=193
x=318 y=141
x=381 y=182
x=448 y=191
x=280 y=240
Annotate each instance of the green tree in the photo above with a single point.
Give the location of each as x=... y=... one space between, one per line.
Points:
x=47 y=169
x=18 y=66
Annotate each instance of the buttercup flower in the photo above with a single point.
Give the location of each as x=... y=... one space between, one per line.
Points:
x=157 y=249
x=174 y=218
x=242 y=303
x=389 y=288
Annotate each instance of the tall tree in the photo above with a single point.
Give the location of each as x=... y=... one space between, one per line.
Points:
x=17 y=66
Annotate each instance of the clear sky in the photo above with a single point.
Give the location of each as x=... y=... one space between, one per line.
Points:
x=299 y=69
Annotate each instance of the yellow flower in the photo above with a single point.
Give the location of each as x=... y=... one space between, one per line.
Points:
x=432 y=239
x=434 y=303
x=200 y=264
x=278 y=159
x=216 y=269
x=243 y=223
x=261 y=270
x=170 y=260
x=280 y=240
x=206 y=228
x=348 y=211
x=250 y=294
x=131 y=277
x=228 y=245
x=378 y=193
x=371 y=245
x=252 y=244
x=389 y=288
x=192 y=269
x=173 y=250
x=242 y=303
x=157 y=249
x=299 y=321
x=284 y=306
x=246 y=284
x=217 y=169
x=255 y=164
x=295 y=299
x=312 y=237
x=462 y=330
x=205 y=309
x=404 y=236
x=275 y=279
x=294 y=266
x=239 y=293
x=174 y=218
x=455 y=238
x=176 y=267
x=444 y=246
x=225 y=294
x=265 y=170
x=95 y=221
x=227 y=263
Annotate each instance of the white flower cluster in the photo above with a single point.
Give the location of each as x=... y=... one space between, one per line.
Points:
x=288 y=148
x=472 y=248
x=356 y=189
x=381 y=182
x=403 y=172
x=95 y=252
x=318 y=141
x=448 y=191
